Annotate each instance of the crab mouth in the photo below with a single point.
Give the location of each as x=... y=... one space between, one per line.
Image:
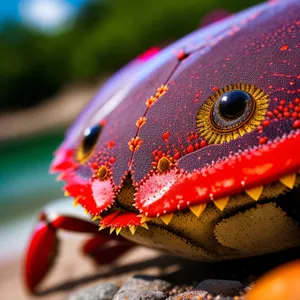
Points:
x=123 y=213
x=260 y=174
x=285 y=195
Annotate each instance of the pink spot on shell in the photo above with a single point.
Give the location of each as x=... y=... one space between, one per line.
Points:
x=166 y=135
x=149 y=53
x=190 y=149
x=262 y=140
x=203 y=143
x=156 y=187
x=103 y=193
x=111 y=144
x=296 y=124
x=177 y=155
x=284 y=47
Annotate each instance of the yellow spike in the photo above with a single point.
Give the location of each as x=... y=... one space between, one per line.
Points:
x=132 y=229
x=101 y=227
x=118 y=230
x=197 y=210
x=288 y=180
x=167 y=218
x=145 y=219
x=85 y=211
x=96 y=218
x=255 y=193
x=145 y=226
x=67 y=194
x=111 y=230
x=76 y=200
x=221 y=203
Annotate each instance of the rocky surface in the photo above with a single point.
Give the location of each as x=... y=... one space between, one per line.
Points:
x=143 y=288
x=102 y=291
x=139 y=295
x=191 y=295
x=145 y=283
x=150 y=288
x=229 y=288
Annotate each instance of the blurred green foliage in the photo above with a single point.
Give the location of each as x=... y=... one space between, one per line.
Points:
x=105 y=35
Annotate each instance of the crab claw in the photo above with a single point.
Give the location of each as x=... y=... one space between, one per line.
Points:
x=37 y=262
x=43 y=245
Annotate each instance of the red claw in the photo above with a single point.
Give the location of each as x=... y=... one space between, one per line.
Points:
x=43 y=246
x=37 y=262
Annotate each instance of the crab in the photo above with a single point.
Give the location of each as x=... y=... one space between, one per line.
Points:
x=192 y=149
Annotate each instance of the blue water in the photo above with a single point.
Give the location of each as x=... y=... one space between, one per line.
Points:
x=25 y=184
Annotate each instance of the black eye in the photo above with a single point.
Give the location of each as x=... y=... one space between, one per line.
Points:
x=90 y=138
x=233 y=104
x=91 y=135
x=231 y=112
x=232 y=109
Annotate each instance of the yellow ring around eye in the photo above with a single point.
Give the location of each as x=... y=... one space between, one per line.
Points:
x=81 y=156
x=215 y=135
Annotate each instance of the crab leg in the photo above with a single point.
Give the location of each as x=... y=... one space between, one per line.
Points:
x=114 y=247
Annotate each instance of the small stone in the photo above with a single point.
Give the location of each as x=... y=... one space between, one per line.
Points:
x=141 y=287
x=191 y=295
x=145 y=283
x=103 y=291
x=226 y=298
x=179 y=289
x=140 y=295
x=221 y=287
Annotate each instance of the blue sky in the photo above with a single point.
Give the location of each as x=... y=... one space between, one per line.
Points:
x=14 y=10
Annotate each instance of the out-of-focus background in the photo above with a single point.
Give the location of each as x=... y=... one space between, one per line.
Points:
x=54 y=56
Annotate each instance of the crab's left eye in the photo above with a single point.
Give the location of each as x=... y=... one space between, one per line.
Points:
x=87 y=145
x=231 y=112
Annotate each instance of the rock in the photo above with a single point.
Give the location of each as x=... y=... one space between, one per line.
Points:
x=142 y=287
x=221 y=287
x=140 y=295
x=145 y=283
x=225 y=298
x=102 y=291
x=191 y=295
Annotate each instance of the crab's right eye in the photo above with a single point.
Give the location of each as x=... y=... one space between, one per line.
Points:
x=231 y=112
x=87 y=145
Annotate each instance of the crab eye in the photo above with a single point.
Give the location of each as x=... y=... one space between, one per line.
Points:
x=232 y=109
x=231 y=112
x=90 y=138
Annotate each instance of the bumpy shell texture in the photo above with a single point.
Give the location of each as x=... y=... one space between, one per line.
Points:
x=165 y=159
